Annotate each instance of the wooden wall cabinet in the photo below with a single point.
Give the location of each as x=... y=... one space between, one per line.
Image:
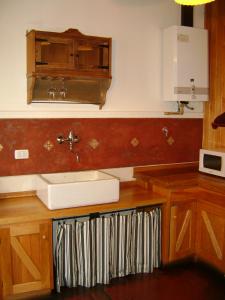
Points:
x=68 y=67
x=210 y=239
x=69 y=53
x=182 y=230
x=26 y=258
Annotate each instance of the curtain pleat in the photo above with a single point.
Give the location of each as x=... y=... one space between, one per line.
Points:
x=90 y=252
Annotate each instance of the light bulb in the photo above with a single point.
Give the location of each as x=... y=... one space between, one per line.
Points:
x=193 y=2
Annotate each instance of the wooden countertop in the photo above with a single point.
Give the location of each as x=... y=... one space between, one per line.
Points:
x=172 y=177
x=184 y=182
x=175 y=177
x=28 y=207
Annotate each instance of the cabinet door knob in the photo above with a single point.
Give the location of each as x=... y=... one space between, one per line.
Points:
x=44 y=237
x=174 y=217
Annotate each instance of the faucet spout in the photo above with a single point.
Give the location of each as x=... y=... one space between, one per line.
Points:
x=73 y=138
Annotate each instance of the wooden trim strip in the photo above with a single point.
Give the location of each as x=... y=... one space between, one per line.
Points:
x=17 y=194
x=23 y=229
x=161 y=167
x=5 y=262
x=183 y=230
x=27 y=287
x=212 y=235
x=173 y=217
x=26 y=260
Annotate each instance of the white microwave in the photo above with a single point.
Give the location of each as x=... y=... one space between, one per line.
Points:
x=212 y=162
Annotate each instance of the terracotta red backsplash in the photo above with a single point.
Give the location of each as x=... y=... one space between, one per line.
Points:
x=104 y=143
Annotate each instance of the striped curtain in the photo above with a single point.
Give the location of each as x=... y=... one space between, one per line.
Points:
x=93 y=251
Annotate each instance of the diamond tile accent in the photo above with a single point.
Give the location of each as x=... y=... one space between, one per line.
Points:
x=48 y=145
x=1 y=147
x=94 y=144
x=170 y=141
x=135 y=142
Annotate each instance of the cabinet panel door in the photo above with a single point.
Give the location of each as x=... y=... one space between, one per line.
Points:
x=210 y=242
x=28 y=263
x=93 y=56
x=54 y=53
x=182 y=230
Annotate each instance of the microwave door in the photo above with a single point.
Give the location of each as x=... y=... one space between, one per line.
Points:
x=212 y=162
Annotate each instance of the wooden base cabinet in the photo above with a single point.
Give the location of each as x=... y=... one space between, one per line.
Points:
x=182 y=230
x=210 y=239
x=26 y=258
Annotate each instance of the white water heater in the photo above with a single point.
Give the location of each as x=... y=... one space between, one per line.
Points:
x=185 y=64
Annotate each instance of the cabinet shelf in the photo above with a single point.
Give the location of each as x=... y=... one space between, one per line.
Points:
x=41 y=63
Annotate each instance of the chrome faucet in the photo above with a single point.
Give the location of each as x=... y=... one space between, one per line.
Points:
x=71 y=139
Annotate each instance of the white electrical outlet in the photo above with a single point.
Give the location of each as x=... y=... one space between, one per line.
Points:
x=21 y=154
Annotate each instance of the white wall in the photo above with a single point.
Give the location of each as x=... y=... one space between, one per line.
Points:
x=135 y=27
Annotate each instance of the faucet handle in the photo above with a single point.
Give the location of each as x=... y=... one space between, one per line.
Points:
x=60 y=139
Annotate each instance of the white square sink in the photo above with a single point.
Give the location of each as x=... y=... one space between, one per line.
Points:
x=73 y=189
